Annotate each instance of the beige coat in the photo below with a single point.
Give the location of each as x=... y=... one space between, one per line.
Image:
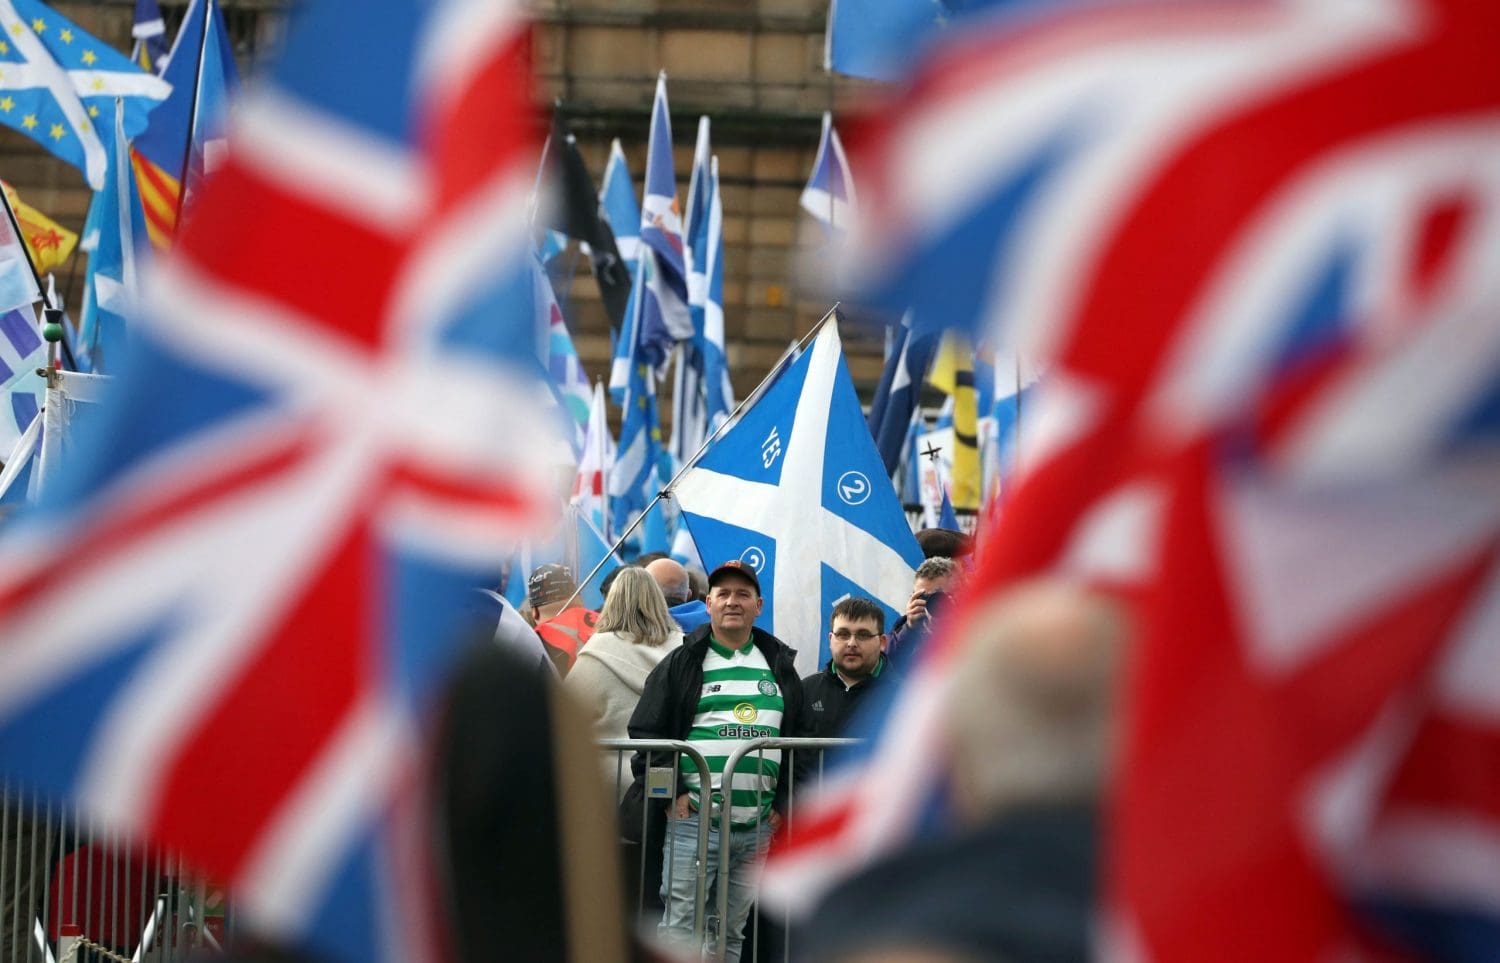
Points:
x=607 y=681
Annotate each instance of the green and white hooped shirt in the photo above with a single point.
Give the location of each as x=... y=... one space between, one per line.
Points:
x=739 y=701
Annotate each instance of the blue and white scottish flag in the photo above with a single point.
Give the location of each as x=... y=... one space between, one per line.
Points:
x=57 y=81
x=796 y=490
x=22 y=351
x=665 y=316
x=621 y=209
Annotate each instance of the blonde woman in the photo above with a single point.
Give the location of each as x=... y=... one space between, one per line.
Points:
x=633 y=634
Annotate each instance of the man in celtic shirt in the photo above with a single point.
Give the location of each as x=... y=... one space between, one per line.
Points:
x=729 y=683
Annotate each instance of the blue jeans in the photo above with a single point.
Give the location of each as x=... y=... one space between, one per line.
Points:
x=679 y=882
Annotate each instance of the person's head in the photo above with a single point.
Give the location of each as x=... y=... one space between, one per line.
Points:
x=548 y=590
x=1031 y=714
x=856 y=637
x=698 y=584
x=641 y=561
x=635 y=608
x=733 y=601
x=936 y=575
x=944 y=543
x=672 y=578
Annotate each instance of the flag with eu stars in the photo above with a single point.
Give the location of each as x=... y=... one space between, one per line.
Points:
x=56 y=79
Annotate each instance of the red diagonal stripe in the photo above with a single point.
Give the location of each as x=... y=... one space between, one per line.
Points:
x=251 y=234
x=464 y=153
x=114 y=534
x=1454 y=765
x=279 y=713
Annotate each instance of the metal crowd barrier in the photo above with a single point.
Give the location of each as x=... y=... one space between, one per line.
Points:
x=71 y=892
x=662 y=783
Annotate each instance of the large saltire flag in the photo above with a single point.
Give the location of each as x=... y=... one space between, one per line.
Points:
x=795 y=490
x=666 y=319
x=300 y=481
x=1265 y=459
x=202 y=72
x=56 y=80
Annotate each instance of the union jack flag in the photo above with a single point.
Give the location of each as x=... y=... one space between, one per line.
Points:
x=1256 y=242
x=225 y=628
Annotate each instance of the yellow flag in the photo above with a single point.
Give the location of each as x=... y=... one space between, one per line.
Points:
x=953 y=374
x=49 y=242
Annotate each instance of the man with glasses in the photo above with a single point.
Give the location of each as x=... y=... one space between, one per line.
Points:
x=856 y=665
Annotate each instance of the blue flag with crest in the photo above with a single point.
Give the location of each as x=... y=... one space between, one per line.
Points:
x=796 y=490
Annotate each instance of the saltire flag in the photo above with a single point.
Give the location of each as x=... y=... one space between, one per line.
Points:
x=55 y=77
x=202 y=73
x=112 y=286
x=22 y=352
x=580 y=215
x=689 y=404
x=569 y=381
x=621 y=209
x=590 y=485
x=718 y=390
x=150 y=32
x=299 y=482
x=898 y=393
x=953 y=374
x=1264 y=459
x=666 y=319
x=49 y=243
x=633 y=478
x=796 y=490
x=829 y=194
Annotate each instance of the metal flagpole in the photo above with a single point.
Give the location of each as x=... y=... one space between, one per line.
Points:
x=666 y=490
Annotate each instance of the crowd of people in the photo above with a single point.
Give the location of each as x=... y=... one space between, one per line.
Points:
x=674 y=654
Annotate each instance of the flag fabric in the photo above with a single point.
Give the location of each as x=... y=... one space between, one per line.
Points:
x=829 y=194
x=953 y=374
x=569 y=380
x=56 y=80
x=188 y=125
x=580 y=215
x=796 y=490
x=689 y=402
x=150 y=33
x=632 y=480
x=620 y=207
x=277 y=541
x=49 y=243
x=112 y=285
x=22 y=352
x=898 y=393
x=594 y=464
x=17 y=280
x=1221 y=431
x=16 y=476
x=947 y=517
x=718 y=391
x=883 y=39
x=665 y=317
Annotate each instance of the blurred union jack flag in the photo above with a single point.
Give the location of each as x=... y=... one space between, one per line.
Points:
x=224 y=627
x=1256 y=242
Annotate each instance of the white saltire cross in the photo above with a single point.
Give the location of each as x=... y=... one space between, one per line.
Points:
x=802 y=533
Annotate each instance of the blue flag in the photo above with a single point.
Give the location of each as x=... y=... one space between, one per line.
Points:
x=621 y=209
x=829 y=194
x=883 y=39
x=150 y=33
x=665 y=317
x=111 y=287
x=633 y=477
x=796 y=490
x=898 y=392
x=56 y=80
x=689 y=404
x=22 y=351
x=718 y=392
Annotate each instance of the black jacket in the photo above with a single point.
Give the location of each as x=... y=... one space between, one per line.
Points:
x=829 y=703
x=669 y=700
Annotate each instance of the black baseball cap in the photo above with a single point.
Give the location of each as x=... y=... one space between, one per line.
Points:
x=552 y=582
x=734 y=567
